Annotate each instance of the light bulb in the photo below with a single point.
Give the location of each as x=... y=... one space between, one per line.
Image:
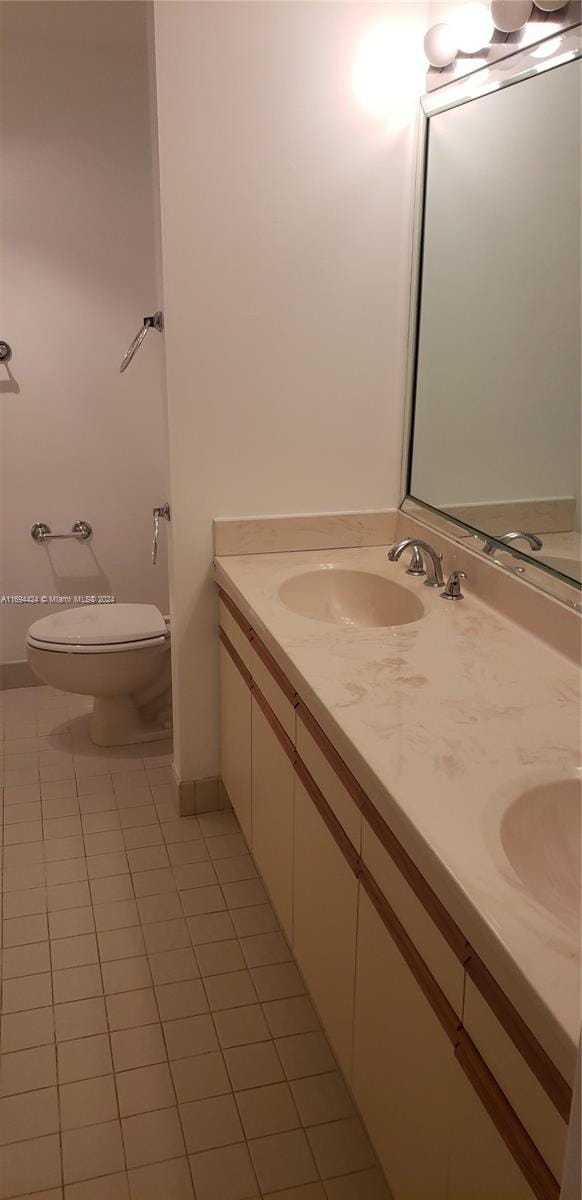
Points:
x=440 y=45
x=472 y=27
x=510 y=15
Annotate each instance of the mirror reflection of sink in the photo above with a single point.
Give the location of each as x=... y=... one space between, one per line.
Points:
x=357 y=599
x=568 y=566
x=540 y=833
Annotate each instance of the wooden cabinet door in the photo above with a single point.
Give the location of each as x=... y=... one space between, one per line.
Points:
x=272 y=791
x=403 y=1065
x=235 y=739
x=325 y=916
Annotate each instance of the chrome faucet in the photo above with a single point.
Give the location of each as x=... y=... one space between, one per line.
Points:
x=434 y=577
x=519 y=534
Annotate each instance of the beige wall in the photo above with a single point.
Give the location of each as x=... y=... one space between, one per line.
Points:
x=286 y=225
x=77 y=440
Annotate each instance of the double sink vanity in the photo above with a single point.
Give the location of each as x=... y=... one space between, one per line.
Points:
x=404 y=770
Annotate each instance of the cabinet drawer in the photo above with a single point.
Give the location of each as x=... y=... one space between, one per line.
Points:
x=235 y=634
x=527 y=1097
x=337 y=796
x=281 y=704
x=442 y=962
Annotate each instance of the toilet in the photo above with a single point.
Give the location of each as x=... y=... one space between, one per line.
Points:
x=117 y=653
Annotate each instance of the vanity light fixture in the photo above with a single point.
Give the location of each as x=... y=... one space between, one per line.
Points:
x=472 y=27
x=440 y=45
x=510 y=15
x=469 y=30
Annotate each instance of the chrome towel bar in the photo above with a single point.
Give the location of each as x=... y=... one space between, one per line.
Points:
x=154 y=322
x=42 y=533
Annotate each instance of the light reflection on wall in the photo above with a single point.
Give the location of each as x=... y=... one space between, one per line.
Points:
x=389 y=74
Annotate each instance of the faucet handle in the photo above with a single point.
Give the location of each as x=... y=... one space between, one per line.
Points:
x=453 y=589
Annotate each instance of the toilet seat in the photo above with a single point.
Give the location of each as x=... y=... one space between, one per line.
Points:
x=104 y=648
x=99 y=629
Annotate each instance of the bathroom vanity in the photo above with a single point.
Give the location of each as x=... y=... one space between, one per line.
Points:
x=376 y=772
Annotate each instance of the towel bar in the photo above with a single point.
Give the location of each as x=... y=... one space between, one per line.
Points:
x=42 y=533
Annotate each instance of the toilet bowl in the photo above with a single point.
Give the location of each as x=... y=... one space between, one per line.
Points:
x=117 y=653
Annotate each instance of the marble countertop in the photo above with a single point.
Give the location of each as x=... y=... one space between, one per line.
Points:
x=443 y=722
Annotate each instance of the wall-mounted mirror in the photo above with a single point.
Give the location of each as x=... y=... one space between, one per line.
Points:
x=495 y=441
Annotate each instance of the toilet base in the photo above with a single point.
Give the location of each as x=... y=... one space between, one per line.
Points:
x=116 y=721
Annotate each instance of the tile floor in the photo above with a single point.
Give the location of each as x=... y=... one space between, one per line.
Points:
x=156 y=1039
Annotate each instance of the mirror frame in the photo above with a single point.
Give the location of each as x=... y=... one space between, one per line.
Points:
x=523 y=64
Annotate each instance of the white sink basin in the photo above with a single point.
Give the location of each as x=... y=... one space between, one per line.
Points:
x=540 y=833
x=358 y=599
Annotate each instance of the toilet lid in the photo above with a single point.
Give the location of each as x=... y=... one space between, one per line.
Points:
x=100 y=625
